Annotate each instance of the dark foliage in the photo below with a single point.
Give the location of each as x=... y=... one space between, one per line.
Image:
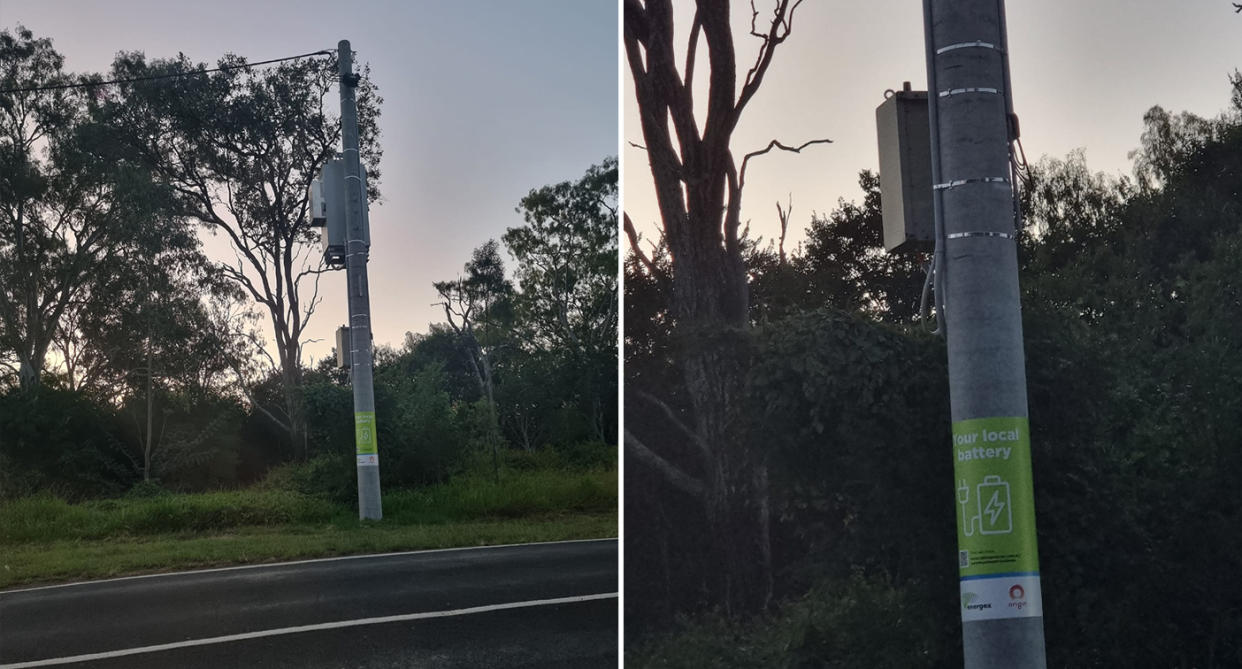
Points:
x=1131 y=296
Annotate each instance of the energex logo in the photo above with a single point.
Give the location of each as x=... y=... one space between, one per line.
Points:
x=1017 y=597
x=968 y=602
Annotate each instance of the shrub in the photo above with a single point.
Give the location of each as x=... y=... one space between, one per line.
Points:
x=327 y=476
x=60 y=440
x=859 y=622
x=144 y=489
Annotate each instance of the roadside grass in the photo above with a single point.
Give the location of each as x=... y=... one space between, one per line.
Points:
x=44 y=539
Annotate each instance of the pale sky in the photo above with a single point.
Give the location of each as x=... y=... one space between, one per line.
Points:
x=1084 y=72
x=483 y=101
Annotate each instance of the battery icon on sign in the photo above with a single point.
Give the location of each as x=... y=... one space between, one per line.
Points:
x=995 y=511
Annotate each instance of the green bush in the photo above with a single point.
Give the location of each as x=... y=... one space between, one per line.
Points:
x=144 y=489
x=576 y=456
x=588 y=455
x=517 y=494
x=421 y=439
x=59 y=440
x=859 y=622
x=528 y=461
x=328 y=476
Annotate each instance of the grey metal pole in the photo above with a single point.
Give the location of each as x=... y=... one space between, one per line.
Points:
x=365 y=438
x=1001 y=603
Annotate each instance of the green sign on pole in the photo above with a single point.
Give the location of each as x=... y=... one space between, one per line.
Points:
x=997 y=556
x=366 y=445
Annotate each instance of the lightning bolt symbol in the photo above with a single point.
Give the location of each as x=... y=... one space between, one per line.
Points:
x=994 y=507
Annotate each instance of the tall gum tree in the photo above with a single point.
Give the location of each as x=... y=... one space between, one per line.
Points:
x=69 y=209
x=698 y=185
x=567 y=270
x=240 y=147
x=479 y=309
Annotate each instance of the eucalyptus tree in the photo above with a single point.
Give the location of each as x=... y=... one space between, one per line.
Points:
x=239 y=147
x=699 y=183
x=566 y=310
x=69 y=207
x=479 y=309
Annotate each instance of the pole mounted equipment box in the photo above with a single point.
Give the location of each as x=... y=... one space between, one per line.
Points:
x=318 y=208
x=905 y=172
x=328 y=200
x=343 y=347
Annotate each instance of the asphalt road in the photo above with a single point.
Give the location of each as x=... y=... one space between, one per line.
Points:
x=534 y=605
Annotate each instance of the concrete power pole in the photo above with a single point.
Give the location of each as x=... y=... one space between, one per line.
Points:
x=968 y=82
x=365 y=438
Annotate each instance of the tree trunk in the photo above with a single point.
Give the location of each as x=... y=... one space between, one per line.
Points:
x=736 y=491
x=146 y=451
x=28 y=378
x=30 y=365
x=291 y=382
x=493 y=427
x=699 y=188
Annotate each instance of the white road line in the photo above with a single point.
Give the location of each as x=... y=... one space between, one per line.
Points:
x=293 y=562
x=307 y=628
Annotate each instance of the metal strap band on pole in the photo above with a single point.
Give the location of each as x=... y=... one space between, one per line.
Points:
x=960 y=91
x=968 y=45
x=964 y=182
x=966 y=235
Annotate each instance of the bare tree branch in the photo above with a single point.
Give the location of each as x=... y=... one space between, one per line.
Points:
x=783 y=215
x=691 y=50
x=782 y=25
x=632 y=234
x=672 y=418
x=674 y=476
x=774 y=144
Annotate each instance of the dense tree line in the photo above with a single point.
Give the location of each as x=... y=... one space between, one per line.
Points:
x=128 y=355
x=1131 y=297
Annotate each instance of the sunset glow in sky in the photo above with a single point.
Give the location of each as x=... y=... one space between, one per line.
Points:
x=1084 y=72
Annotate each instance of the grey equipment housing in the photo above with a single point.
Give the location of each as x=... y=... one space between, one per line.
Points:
x=327 y=210
x=343 y=347
x=905 y=172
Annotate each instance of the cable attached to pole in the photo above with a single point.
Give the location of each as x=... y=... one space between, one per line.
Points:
x=173 y=75
x=1018 y=169
x=936 y=276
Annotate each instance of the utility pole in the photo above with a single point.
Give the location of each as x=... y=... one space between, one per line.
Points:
x=977 y=281
x=356 y=248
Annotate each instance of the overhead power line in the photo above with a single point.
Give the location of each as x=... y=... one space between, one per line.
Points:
x=87 y=84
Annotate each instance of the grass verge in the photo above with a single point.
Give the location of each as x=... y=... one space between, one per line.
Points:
x=44 y=539
x=38 y=563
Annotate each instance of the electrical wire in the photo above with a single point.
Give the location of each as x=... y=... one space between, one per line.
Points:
x=1019 y=170
x=87 y=84
x=927 y=288
x=938 y=272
